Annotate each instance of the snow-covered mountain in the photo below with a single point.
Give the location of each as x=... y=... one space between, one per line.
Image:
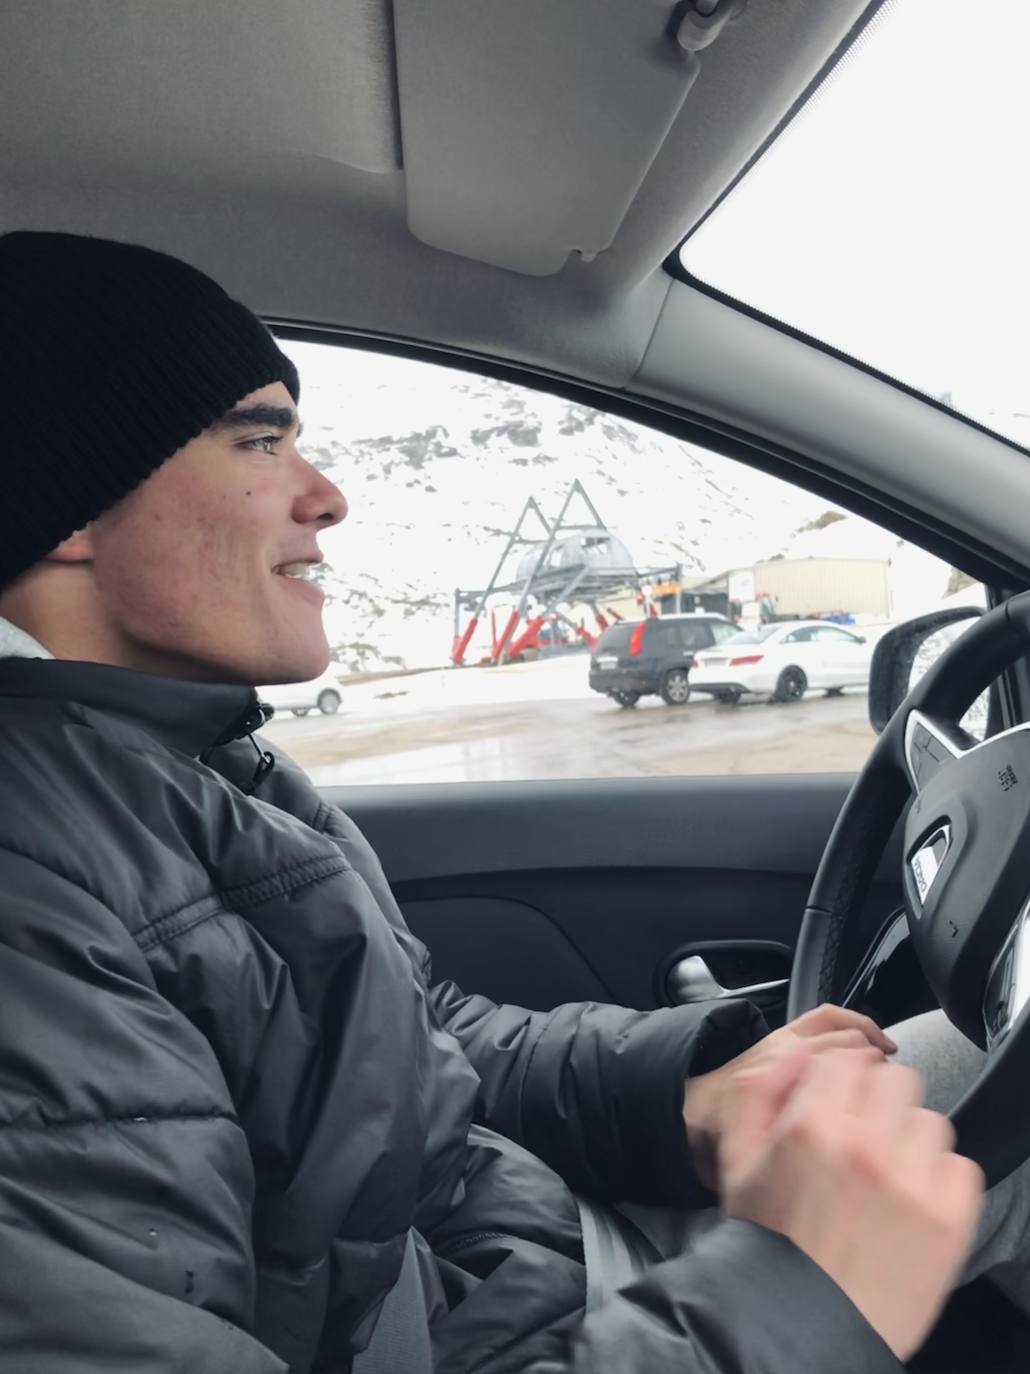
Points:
x=437 y=465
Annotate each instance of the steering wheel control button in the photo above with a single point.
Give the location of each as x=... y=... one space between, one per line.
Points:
x=918 y=747
x=926 y=749
x=1008 y=985
x=927 y=860
x=996 y=1003
x=938 y=751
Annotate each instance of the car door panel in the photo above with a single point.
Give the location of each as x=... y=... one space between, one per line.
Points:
x=820 y=667
x=795 y=651
x=538 y=893
x=845 y=658
x=857 y=665
x=808 y=657
x=860 y=657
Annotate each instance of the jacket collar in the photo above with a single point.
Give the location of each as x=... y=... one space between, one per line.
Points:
x=15 y=643
x=190 y=717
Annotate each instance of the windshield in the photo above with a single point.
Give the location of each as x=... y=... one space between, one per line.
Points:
x=889 y=219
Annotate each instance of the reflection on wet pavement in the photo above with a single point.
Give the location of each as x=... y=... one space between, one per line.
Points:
x=589 y=737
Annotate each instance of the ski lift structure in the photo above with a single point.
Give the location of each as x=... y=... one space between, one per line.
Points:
x=572 y=561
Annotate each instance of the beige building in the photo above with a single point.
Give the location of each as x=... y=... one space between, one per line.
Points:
x=803 y=587
x=789 y=588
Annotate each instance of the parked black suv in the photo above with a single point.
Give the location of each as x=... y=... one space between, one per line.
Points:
x=640 y=658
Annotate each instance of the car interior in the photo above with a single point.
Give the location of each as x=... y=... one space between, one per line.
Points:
x=505 y=189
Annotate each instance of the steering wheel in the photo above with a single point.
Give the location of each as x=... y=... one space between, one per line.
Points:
x=965 y=870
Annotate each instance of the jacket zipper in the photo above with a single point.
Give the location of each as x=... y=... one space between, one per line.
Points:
x=455 y=1247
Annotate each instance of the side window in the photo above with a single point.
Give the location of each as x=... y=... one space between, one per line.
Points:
x=803 y=636
x=695 y=636
x=496 y=532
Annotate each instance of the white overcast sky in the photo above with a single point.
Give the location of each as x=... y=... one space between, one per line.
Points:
x=892 y=218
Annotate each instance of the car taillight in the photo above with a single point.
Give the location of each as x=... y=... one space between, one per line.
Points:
x=636 y=642
x=748 y=658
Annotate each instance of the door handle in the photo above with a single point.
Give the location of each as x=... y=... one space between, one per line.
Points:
x=691 y=980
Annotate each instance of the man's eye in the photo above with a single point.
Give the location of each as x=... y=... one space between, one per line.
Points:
x=265 y=443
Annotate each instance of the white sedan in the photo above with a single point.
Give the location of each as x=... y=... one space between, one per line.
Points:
x=321 y=694
x=783 y=661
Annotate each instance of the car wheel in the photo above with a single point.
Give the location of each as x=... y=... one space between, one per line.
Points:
x=329 y=702
x=729 y=697
x=791 y=685
x=300 y=710
x=625 y=699
x=675 y=688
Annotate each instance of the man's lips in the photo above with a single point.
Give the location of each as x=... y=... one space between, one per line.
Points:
x=302 y=587
x=300 y=565
x=297 y=573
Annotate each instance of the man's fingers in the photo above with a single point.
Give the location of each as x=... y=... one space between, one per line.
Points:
x=852 y=1039
x=829 y=1018
x=962 y=1181
x=756 y=1098
x=892 y=1125
x=863 y=1180
x=926 y=1133
x=832 y=1090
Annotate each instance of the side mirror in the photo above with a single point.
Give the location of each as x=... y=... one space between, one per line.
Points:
x=905 y=653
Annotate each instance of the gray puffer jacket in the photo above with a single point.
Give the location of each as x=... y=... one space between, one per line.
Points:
x=229 y=1089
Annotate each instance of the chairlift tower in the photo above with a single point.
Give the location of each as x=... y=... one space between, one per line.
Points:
x=575 y=559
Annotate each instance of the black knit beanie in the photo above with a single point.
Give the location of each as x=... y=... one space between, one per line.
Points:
x=112 y=357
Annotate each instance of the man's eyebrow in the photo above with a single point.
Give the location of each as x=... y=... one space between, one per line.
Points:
x=250 y=417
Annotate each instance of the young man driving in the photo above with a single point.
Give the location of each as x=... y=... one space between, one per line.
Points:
x=241 y=1127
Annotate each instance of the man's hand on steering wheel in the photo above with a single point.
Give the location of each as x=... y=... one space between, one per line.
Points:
x=708 y=1110
x=838 y=1154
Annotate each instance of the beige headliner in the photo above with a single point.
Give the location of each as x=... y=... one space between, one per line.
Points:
x=263 y=142
x=290 y=149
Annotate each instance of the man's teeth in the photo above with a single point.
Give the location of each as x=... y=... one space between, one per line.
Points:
x=295 y=569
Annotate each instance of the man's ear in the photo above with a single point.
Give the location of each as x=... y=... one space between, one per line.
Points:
x=77 y=548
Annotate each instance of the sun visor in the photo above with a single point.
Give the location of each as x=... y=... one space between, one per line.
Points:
x=528 y=125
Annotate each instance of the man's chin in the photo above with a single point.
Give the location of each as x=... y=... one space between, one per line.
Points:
x=295 y=668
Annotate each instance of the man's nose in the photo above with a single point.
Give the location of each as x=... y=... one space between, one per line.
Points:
x=323 y=502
